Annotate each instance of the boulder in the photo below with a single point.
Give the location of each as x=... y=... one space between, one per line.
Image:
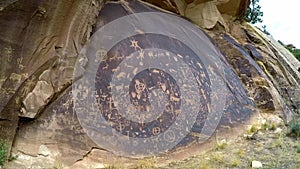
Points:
x=256 y=164
x=41 y=41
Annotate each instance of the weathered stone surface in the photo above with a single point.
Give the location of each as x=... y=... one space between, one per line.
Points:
x=42 y=31
x=38 y=53
x=37 y=36
x=281 y=68
x=265 y=70
x=292 y=97
x=253 y=52
x=237 y=108
x=36 y=99
x=263 y=98
x=169 y=5
x=235 y=8
x=204 y=14
x=55 y=135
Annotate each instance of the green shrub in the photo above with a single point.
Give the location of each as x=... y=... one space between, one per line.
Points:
x=254 y=14
x=295 y=52
x=294 y=129
x=3 y=151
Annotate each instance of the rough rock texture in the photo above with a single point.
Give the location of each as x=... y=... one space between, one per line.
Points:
x=205 y=13
x=39 y=44
x=262 y=63
x=234 y=8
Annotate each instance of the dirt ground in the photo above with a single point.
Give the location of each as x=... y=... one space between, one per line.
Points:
x=268 y=142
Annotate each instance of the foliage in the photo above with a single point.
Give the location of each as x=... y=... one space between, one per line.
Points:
x=221 y=144
x=292 y=49
x=294 y=129
x=295 y=52
x=265 y=30
x=3 y=151
x=254 y=13
x=146 y=164
x=281 y=43
x=111 y=167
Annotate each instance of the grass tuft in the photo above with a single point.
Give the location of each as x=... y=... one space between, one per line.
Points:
x=298 y=149
x=3 y=152
x=294 y=129
x=146 y=164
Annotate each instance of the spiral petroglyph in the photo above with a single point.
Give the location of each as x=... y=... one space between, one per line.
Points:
x=141 y=93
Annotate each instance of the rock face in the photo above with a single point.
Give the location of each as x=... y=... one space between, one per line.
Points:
x=156 y=74
x=234 y=8
x=40 y=43
x=205 y=13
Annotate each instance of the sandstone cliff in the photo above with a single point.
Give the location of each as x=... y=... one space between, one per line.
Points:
x=39 y=45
